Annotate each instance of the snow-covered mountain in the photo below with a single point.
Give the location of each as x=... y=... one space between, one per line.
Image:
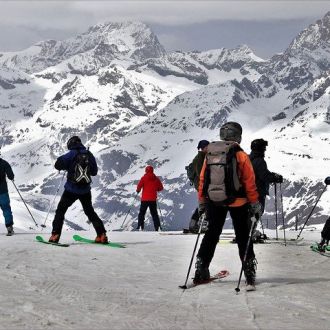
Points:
x=135 y=104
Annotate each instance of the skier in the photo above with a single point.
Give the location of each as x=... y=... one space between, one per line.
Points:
x=325 y=235
x=6 y=171
x=197 y=165
x=150 y=185
x=80 y=165
x=241 y=206
x=263 y=176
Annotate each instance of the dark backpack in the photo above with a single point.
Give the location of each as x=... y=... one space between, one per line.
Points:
x=191 y=173
x=80 y=169
x=221 y=181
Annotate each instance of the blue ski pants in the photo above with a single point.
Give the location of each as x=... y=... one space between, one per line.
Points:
x=6 y=209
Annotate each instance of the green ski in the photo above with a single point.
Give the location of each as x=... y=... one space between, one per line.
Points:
x=41 y=240
x=91 y=241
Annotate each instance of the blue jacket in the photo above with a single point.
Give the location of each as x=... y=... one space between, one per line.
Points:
x=5 y=171
x=66 y=163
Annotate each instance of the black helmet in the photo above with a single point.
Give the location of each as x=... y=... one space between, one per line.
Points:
x=73 y=142
x=231 y=131
x=259 y=145
x=202 y=144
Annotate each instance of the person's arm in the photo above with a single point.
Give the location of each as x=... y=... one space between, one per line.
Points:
x=62 y=162
x=160 y=185
x=201 y=196
x=93 y=168
x=262 y=171
x=140 y=185
x=247 y=177
x=9 y=171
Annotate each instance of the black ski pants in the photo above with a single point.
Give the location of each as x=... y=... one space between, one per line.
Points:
x=152 y=205
x=217 y=216
x=67 y=199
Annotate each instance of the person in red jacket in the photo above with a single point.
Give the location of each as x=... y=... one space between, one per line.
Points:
x=150 y=185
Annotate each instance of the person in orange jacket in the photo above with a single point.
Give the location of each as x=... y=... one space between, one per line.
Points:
x=150 y=185
x=240 y=211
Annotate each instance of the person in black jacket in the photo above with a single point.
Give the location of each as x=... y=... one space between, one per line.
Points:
x=197 y=165
x=263 y=176
x=6 y=172
x=80 y=165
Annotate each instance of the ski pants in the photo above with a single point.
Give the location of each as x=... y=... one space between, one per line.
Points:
x=326 y=230
x=217 y=216
x=152 y=205
x=6 y=209
x=67 y=199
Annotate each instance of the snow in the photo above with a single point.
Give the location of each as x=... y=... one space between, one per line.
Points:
x=89 y=286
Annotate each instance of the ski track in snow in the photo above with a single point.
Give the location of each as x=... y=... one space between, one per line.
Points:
x=89 y=286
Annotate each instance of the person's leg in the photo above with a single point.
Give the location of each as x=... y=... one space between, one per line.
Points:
x=86 y=202
x=217 y=217
x=154 y=214
x=241 y=221
x=6 y=209
x=66 y=201
x=142 y=213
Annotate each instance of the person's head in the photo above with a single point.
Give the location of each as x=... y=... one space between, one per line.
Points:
x=259 y=145
x=73 y=142
x=202 y=144
x=231 y=131
x=149 y=169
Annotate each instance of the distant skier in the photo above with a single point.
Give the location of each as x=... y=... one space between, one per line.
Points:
x=80 y=165
x=6 y=171
x=227 y=183
x=195 y=169
x=263 y=176
x=150 y=185
x=325 y=235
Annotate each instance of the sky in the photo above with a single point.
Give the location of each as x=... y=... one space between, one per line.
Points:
x=266 y=26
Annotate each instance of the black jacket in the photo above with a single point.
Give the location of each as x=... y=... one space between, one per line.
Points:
x=263 y=176
x=5 y=171
x=198 y=162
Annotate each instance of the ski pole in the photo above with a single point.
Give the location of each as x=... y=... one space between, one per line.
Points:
x=254 y=223
x=52 y=204
x=24 y=202
x=129 y=210
x=310 y=214
x=192 y=257
x=275 y=192
x=282 y=213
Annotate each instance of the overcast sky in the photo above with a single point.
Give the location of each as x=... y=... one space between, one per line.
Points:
x=266 y=26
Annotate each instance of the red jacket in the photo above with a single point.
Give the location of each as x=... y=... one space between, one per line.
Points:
x=149 y=184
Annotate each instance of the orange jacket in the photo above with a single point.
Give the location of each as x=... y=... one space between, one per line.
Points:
x=246 y=176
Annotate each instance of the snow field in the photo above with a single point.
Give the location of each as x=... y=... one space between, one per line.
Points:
x=90 y=286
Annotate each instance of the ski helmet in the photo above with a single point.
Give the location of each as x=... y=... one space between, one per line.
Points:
x=259 y=145
x=73 y=141
x=231 y=131
x=202 y=144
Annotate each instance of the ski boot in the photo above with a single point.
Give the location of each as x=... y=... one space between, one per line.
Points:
x=10 y=231
x=321 y=246
x=54 y=238
x=202 y=273
x=250 y=274
x=102 y=239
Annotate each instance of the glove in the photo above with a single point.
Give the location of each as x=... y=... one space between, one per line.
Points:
x=256 y=210
x=278 y=178
x=201 y=208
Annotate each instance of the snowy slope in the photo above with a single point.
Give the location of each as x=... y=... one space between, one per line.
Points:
x=134 y=104
x=87 y=286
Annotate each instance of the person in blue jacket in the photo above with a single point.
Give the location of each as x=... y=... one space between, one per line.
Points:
x=6 y=172
x=80 y=165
